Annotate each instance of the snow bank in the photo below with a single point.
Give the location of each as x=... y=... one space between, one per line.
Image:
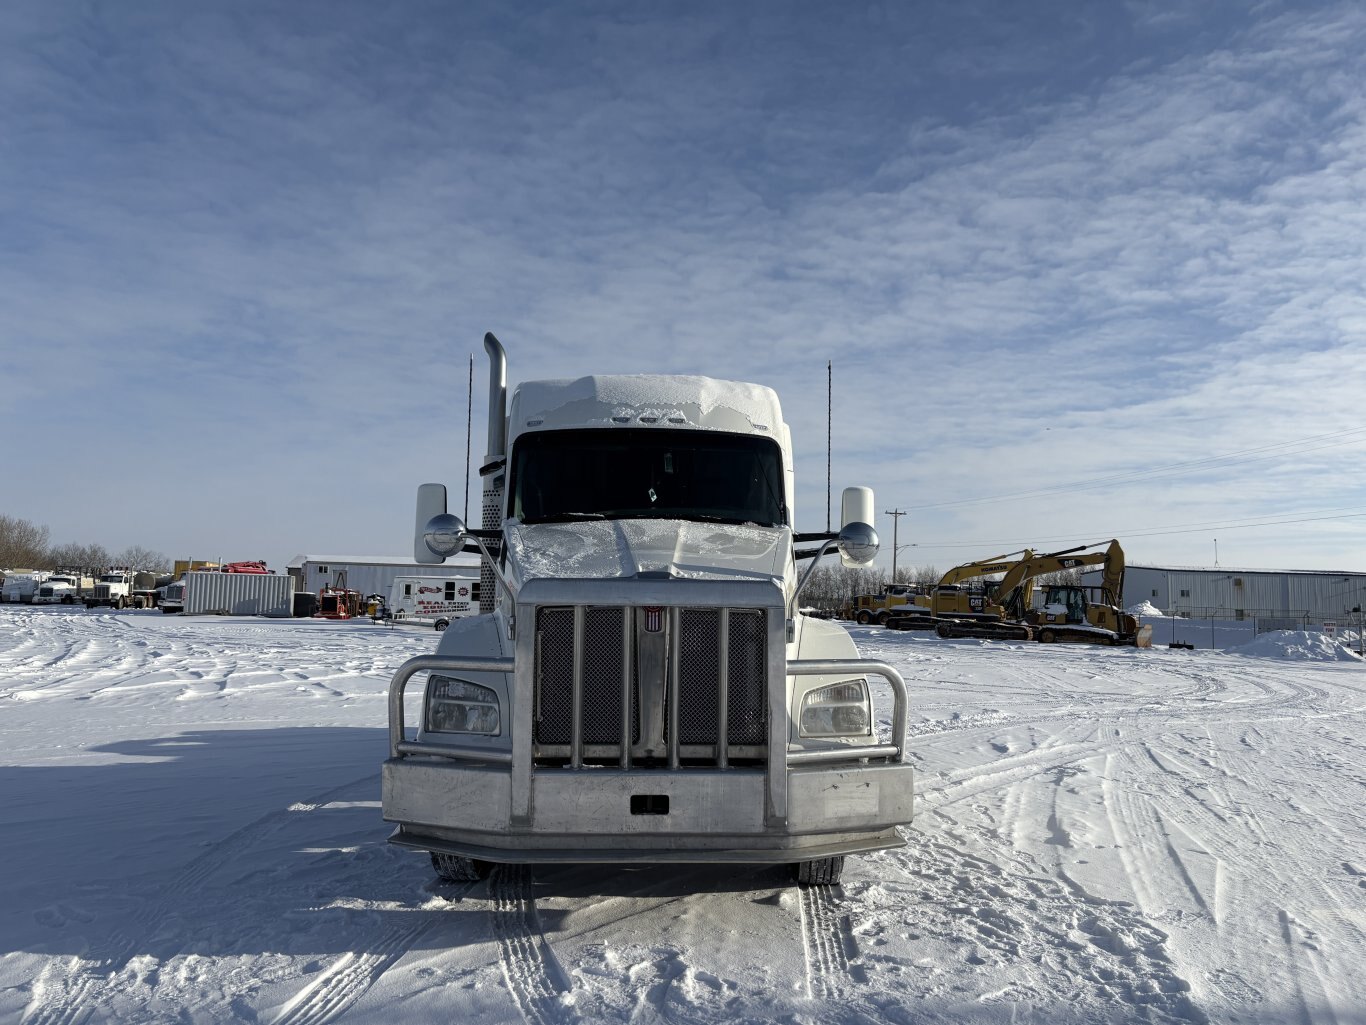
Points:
x=1144 y=608
x=1296 y=644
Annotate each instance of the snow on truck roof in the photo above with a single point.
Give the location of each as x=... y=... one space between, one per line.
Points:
x=679 y=401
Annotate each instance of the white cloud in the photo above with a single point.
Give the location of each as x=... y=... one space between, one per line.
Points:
x=296 y=236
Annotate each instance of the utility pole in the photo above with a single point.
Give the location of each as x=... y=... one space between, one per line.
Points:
x=896 y=515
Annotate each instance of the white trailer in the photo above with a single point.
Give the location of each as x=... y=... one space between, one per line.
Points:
x=435 y=600
x=644 y=624
x=23 y=585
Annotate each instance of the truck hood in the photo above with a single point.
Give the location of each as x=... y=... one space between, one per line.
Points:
x=624 y=548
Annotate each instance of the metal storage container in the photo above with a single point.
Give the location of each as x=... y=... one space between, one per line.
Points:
x=239 y=594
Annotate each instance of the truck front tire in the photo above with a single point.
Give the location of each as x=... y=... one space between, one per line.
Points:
x=454 y=869
x=821 y=872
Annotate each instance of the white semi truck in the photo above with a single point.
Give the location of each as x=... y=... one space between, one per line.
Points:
x=58 y=589
x=643 y=688
x=120 y=587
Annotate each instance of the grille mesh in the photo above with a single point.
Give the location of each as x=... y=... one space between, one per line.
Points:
x=746 y=707
x=601 y=676
x=697 y=641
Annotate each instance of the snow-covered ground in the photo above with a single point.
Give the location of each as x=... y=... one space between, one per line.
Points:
x=190 y=831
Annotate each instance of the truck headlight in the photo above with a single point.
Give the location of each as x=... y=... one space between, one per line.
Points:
x=840 y=710
x=458 y=706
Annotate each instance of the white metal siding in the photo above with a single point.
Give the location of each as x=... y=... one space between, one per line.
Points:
x=1260 y=592
x=239 y=594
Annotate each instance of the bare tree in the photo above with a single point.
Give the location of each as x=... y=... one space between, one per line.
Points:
x=833 y=584
x=138 y=558
x=1062 y=577
x=22 y=544
x=91 y=557
x=926 y=576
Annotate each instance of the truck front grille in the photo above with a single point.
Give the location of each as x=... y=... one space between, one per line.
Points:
x=747 y=718
x=634 y=665
x=603 y=661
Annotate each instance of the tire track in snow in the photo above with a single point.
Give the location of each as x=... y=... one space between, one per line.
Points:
x=828 y=941
x=352 y=975
x=534 y=976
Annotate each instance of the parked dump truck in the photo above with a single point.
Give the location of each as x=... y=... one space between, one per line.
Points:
x=643 y=688
x=120 y=587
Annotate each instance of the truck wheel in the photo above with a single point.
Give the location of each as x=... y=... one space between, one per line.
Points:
x=441 y=624
x=882 y=618
x=863 y=618
x=454 y=869
x=119 y=603
x=821 y=872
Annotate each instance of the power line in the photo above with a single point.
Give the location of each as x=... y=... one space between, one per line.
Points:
x=1297 y=447
x=1197 y=528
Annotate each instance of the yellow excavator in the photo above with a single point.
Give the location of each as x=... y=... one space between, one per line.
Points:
x=952 y=602
x=1068 y=612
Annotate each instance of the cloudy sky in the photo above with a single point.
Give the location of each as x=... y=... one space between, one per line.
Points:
x=1083 y=270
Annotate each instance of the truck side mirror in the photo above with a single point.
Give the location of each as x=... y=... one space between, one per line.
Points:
x=444 y=535
x=431 y=503
x=858 y=544
x=857 y=541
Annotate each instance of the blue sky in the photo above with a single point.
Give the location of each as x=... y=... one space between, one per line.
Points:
x=1084 y=270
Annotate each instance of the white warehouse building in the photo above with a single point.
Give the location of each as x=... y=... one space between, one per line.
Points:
x=374 y=574
x=1306 y=596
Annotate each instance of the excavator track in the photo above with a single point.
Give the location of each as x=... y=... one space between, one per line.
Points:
x=953 y=629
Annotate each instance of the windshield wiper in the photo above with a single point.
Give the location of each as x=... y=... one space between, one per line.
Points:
x=565 y=517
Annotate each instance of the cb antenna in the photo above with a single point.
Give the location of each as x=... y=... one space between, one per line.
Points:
x=469 y=426
x=828 y=416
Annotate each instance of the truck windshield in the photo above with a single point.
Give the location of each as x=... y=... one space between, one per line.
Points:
x=559 y=476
